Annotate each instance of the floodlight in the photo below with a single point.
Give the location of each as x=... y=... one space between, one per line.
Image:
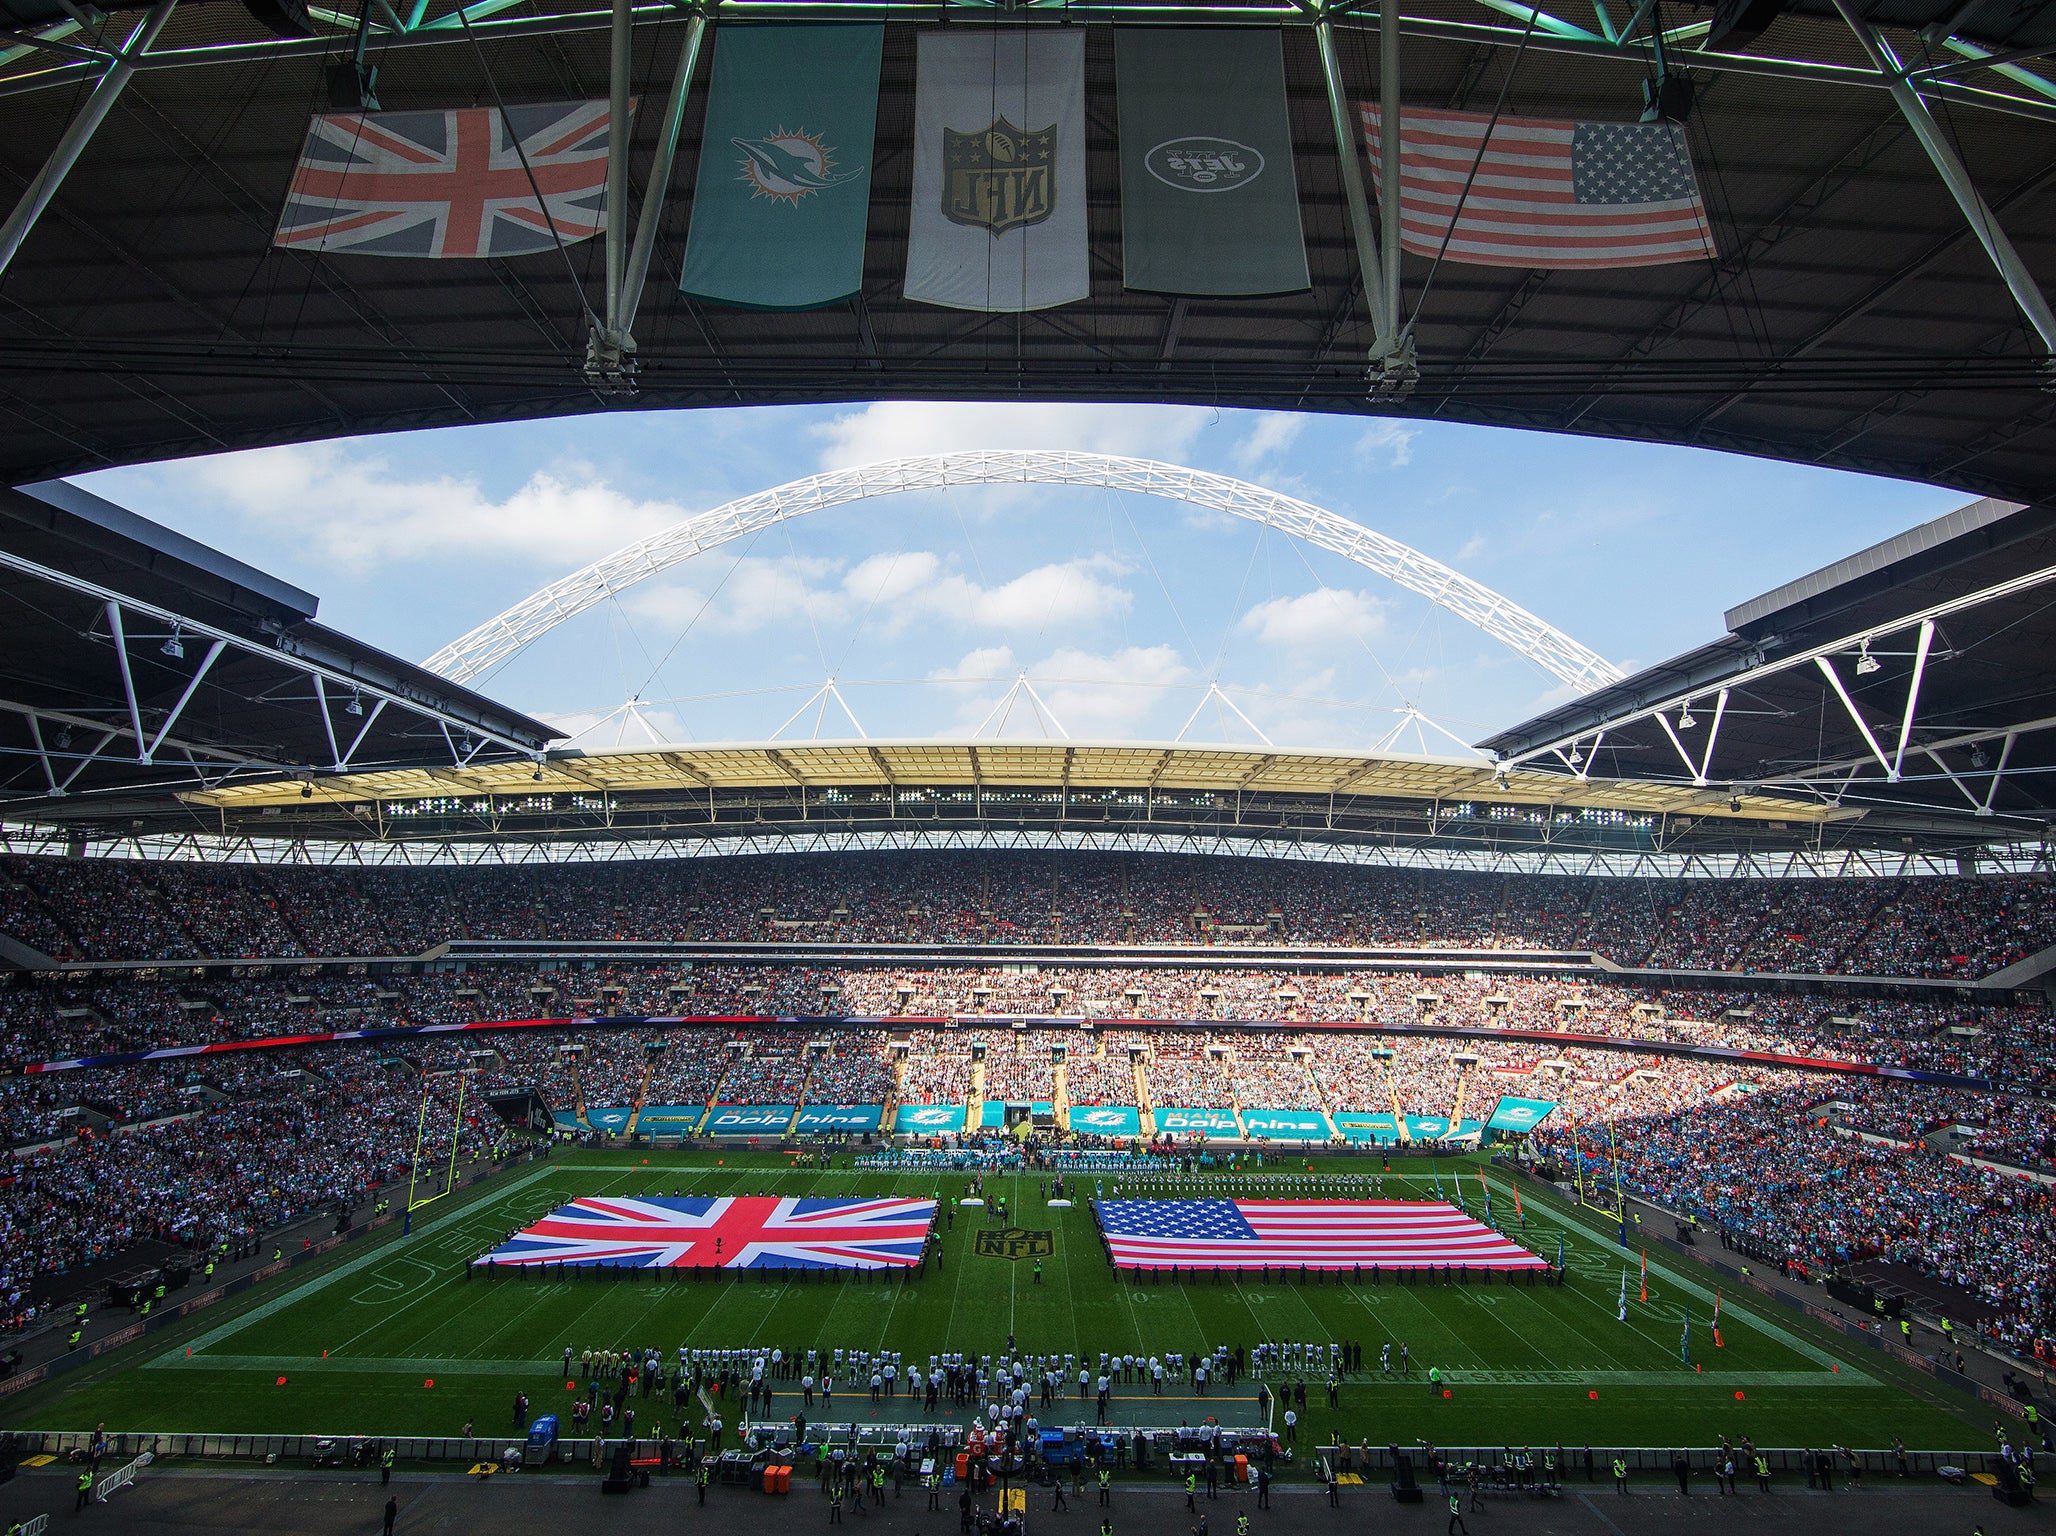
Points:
x=175 y=645
x=1686 y=719
x=356 y=704
x=1978 y=759
x=1865 y=662
x=306 y=791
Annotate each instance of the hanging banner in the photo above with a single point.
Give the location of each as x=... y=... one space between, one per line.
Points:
x=784 y=186
x=466 y=182
x=1532 y=192
x=1209 y=202
x=999 y=171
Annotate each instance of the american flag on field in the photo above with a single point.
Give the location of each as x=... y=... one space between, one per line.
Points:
x=1321 y=1234
x=1547 y=194
x=450 y=183
x=726 y=1232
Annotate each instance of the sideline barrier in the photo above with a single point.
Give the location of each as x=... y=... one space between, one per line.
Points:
x=35 y=1527
x=580 y=1453
x=121 y=1477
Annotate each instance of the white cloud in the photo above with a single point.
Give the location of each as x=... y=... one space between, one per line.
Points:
x=360 y=516
x=1321 y=617
x=1388 y=442
x=891 y=429
x=1120 y=694
x=976 y=669
x=1274 y=432
x=1108 y=694
x=889 y=593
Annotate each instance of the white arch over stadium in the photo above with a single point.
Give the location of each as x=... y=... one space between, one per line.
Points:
x=492 y=642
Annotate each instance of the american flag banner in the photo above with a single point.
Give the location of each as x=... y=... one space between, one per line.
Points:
x=724 y=1232
x=1320 y=1234
x=1546 y=194
x=450 y=183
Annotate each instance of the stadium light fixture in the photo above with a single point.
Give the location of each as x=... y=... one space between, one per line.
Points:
x=356 y=704
x=306 y=791
x=1866 y=664
x=1686 y=719
x=174 y=645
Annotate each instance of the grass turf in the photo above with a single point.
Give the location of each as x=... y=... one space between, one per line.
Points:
x=358 y=1340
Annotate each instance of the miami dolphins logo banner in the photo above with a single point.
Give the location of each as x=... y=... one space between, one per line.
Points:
x=784 y=187
x=1209 y=202
x=999 y=170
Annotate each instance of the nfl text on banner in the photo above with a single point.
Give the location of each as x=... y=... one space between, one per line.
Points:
x=999 y=171
x=1209 y=202
x=784 y=186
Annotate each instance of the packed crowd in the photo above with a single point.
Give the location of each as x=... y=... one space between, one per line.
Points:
x=1823 y=1168
x=176 y=1156
x=55 y=1020
x=113 y=909
x=1796 y=1168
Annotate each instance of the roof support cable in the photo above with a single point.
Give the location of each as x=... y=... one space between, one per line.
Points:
x=521 y=151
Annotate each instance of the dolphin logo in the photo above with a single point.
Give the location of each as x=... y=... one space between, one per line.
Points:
x=787 y=166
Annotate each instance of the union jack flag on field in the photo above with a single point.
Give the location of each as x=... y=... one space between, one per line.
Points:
x=726 y=1232
x=450 y=183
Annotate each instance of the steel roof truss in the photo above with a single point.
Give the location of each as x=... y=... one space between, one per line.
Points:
x=1659 y=709
x=1984 y=223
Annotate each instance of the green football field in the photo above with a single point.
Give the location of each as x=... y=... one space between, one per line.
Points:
x=359 y=1340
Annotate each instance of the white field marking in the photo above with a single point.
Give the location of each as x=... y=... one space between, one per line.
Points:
x=322 y=1281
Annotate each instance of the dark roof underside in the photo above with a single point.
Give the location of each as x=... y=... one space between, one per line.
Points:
x=1853 y=320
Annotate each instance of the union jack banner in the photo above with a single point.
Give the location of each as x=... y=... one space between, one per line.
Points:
x=450 y=183
x=728 y=1232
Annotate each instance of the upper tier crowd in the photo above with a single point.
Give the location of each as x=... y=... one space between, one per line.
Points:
x=107 y=909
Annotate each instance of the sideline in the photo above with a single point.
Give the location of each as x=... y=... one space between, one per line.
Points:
x=317 y=1283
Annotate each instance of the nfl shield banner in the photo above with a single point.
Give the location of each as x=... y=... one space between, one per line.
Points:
x=999 y=171
x=784 y=185
x=470 y=181
x=1209 y=202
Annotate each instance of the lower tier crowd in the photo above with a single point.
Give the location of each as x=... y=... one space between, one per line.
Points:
x=42 y=1020
x=1819 y=1168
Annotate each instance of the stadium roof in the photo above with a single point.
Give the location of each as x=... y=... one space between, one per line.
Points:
x=1916 y=677
x=688 y=793
x=1852 y=318
x=135 y=662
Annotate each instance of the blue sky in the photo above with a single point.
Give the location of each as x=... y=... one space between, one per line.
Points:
x=1121 y=609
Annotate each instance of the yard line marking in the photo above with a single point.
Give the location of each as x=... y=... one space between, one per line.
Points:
x=322 y=1281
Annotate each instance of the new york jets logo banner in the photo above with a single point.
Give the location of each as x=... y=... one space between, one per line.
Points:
x=999 y=171
x=1209 y=204
x=784 y=187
